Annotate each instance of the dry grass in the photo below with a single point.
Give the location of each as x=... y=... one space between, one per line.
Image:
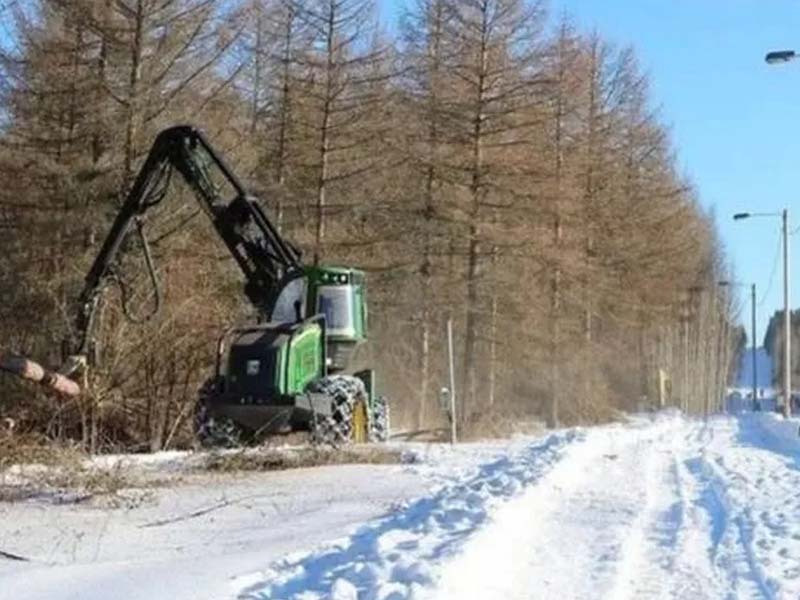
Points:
x=279 y=459
x=63 y=486
x=499 y=425
x=439 y=435
x=32 y=468
x=28 y=449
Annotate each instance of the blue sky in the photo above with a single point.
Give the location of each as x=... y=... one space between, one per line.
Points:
x=735 y=120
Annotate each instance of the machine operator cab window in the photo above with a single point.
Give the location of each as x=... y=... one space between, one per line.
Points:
x=340 y=297
x=338 y=294
x=336 y=303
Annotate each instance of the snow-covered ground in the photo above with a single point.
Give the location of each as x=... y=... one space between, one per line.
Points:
x=660 y=507
x=193 y=537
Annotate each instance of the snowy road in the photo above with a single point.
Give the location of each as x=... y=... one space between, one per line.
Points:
x=674 y=510
x=669 y=508
x=657 y=508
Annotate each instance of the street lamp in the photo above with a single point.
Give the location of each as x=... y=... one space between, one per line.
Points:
x=753 y=333
x=787 y=315
x=773 y=58
x=780 y=56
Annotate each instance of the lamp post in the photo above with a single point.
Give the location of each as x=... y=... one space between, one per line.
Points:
x=753 y=338
x=755 y=346
x=773 y=58
x=787 y=315
x=777 y=57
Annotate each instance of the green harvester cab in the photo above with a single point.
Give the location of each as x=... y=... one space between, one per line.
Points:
x=264 y=372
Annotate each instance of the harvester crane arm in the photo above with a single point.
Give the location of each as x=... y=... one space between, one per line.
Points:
x=284 y=373
x=265 y=258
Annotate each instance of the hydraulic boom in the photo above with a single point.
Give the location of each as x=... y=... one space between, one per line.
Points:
x=265 y=258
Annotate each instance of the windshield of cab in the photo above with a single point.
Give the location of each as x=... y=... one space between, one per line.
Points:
x=336 y=303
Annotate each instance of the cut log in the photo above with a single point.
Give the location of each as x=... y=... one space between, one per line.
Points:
x=27 y=369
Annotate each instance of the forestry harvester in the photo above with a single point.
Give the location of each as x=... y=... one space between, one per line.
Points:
x=285 y=371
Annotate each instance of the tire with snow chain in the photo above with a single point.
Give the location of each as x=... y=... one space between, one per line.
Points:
x=214 y=431
x=379 y=422
x=344 y=392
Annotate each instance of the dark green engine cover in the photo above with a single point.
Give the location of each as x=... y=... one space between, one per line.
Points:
x=263 y=372
x=270 y=361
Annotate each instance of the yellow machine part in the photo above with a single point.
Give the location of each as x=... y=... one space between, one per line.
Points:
x=360 y=423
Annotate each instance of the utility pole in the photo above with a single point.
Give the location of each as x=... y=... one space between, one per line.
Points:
x=754 y=344
x=787 y=315
x=773 y=58
x=447 y=395
x=787 y=318
x=753 y=335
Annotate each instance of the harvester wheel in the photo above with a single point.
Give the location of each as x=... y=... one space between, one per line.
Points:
x=346 y=394
x=214 y=431
x=379 y=421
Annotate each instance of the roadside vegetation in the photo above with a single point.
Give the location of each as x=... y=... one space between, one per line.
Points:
x=484 y=162
x=42 y=470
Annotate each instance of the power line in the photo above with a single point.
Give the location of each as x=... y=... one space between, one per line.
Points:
x=772 y=273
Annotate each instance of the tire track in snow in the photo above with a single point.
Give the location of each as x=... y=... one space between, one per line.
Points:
x=571 y=533
x=669 y=509
x=395 y=557
x=767 y=475
x=732 y=541
x=690 y=571
x=664 y=554
x=650 y=552
x=731 y=550
x=761 y=480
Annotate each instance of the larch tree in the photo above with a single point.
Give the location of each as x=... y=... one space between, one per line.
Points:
x=427 y=55
x=340 y=69
x=511 y=177
x=494 y=75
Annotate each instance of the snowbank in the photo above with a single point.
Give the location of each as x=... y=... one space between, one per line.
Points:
x=783 y=433
x=398 y=556
x=186 y=531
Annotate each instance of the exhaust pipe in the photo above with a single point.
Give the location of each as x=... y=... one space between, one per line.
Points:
x=27 y=369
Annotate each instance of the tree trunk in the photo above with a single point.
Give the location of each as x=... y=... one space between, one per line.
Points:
x=474 y=248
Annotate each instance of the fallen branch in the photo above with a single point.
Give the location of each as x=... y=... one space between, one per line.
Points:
x=11 y=556
x=198 y=513
x=27 y=369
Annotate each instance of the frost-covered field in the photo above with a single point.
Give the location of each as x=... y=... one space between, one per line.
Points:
x=661 y=507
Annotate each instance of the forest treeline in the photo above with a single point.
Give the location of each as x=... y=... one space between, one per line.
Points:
x=483 y=161
x=773 y=344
